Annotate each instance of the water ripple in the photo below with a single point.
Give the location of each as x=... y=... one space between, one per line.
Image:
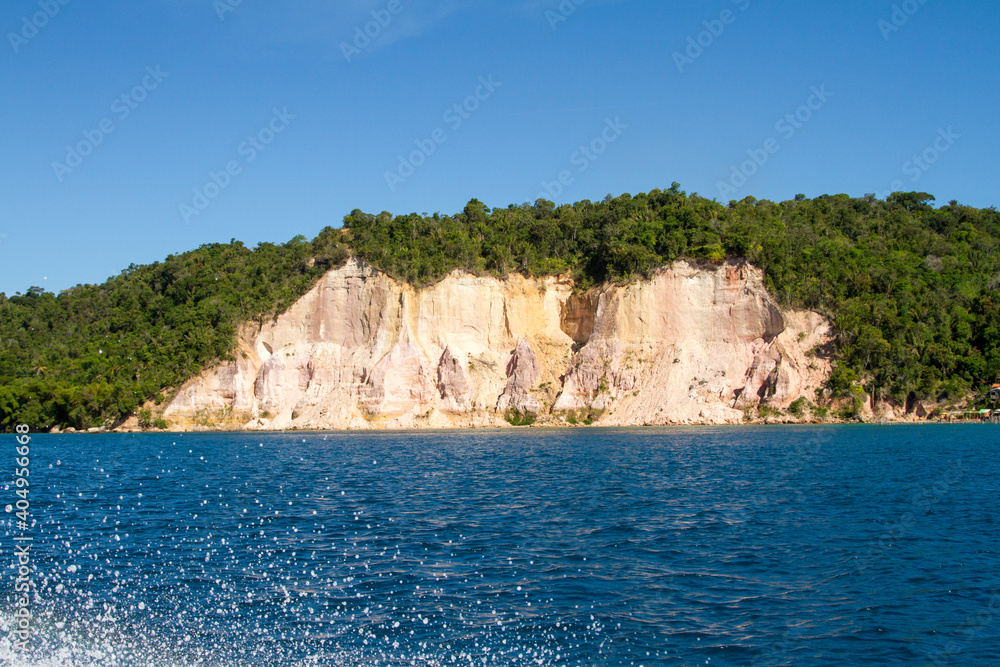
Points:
x=717 y=546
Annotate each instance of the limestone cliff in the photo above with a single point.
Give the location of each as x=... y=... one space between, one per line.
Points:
x=360 y=350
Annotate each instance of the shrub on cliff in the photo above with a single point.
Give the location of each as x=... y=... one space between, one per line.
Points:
x=518 y=418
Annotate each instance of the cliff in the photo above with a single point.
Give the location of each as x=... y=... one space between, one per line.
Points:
x=360 y=351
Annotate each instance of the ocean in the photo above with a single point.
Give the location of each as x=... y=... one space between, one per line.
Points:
x=722 y=546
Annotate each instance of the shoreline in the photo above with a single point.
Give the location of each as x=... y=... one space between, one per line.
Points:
x=508 y=427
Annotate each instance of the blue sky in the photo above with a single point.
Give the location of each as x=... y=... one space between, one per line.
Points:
x=298 y=129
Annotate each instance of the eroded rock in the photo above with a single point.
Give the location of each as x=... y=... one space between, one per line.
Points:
x=694 y=344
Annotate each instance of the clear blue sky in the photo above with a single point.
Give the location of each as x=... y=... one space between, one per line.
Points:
x=224 y=73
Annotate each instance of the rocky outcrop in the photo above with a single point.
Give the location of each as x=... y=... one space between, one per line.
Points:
x=453 y=384
x=522 y=374
x=360 y=350
x=693 y=345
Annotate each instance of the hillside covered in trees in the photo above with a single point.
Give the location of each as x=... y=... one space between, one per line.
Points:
x=95 y=353
x=910 y=287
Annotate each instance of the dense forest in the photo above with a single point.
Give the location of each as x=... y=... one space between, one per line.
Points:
x=92 y=355
x=910 y=287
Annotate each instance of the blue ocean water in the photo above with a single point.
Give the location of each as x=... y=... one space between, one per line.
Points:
x=850 y=545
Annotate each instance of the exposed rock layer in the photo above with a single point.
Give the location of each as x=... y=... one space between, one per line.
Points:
x=360 y=350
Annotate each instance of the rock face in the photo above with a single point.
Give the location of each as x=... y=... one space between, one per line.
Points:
x=360 y=350
x=693 y=346
x=522 y=374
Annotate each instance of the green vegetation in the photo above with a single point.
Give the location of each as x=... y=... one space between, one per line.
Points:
x=797 y=408
x=586 y=416
x=92 y=355
x=911 y=290
x=518 y=418
x=765 y=411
